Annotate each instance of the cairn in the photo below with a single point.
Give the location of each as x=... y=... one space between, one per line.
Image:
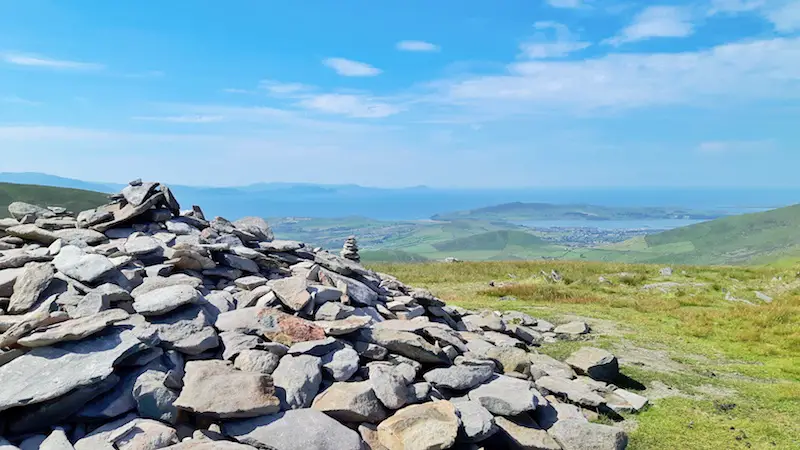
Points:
x=350 y=250
x=139 y=325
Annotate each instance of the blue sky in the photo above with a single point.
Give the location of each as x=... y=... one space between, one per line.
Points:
x=445 y=93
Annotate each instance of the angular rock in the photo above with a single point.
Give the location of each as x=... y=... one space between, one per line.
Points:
x=166 y=299
x=358 y=292
x=595 y=363
x=487 y=321
x=80 y=237
x=576 y=328
x=32 y=233
x=260 y=361
x=369 y=350
x=66 y=366
x=510 y=359
x=297 y=380
x=315 y=348
x=7 y=279
x=86 y=268
x=255 y=226
x=550 y=366
x=369 y=434
x=280 y=431
x=579 y=435
x=137 y=194
x=237 y=262
x=329 y=311
x=152 y=284
x=575 y=391
x=625 y=401
x=505 y=396
x=343 y=326
x=406 y=344
x=250 y=282
x=292 y=292
x=18 y=210
x=186 y=330
x=418 y=393
x=522 y=432
x=477 y=423
x=459 y=377
x=341 y=364
x=390 y=386
x=73 y=330
x=154 y=400
x=351 y=402
x=271 y=323
x=217 y=390
x=57 y=440
x=29 y=286
x=430 y=426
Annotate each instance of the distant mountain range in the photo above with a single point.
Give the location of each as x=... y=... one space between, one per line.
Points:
x=422 y=202
x=74 y=200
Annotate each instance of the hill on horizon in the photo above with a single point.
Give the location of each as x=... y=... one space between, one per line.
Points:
x=74 y=200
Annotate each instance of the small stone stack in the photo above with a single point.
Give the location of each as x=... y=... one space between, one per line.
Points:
x=350 y=250
x=141 y=326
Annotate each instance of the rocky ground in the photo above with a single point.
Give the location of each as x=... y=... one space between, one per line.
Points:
x=141 y=326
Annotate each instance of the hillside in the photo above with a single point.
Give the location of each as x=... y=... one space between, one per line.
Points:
x=493 y=240
x=521 y=212
x=73 y=199
x=748 y=238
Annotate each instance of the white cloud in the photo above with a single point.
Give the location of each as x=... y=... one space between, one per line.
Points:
x=236 y=91
x=181 y=119
x=277 y=87
x=734 y=6
x=565 y=3
x=734 y=146
x=350 y=68
x=750 y=70
x=655 y=22
x=350 y=105
x=19 y=100
x=783 y=14
x=541 y=46
x=29 y=60
x=786 y=18
x=417 y=46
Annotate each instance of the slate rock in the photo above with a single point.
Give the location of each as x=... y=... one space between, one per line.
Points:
x=237 y=262
x=80 y=237
x=477 y=423
x=358 y=292
x=292 y=292
x=341 y=364
x=550 y=366
x=316 y=348
x=152 y=284
x=430 y=426
x=459 y=377
x=73 y=330
x=486 y=321
x=343 y=326
x=138 y=193
x=7 y=279
x=297 y=380
x=186 y=330
x=255 y=226
x=576 y=391
x=270 y=323
x=404 y=343
x=250 y=282
x=234 y=343
x=280 y=432
x=154 y=400
x=580 y=435
x=57 y=440
x=418 y=393
x=369 y=350
x=523 y=432
x=596 y=363
x=32 y=233
x=390 y=386
x=369 y=434
x=576 y=328
x=547 y=415
x=216 y=389
x=194 y=444
x=260 y=361
x=329 y=311
x=86 y=268
x=66 y=366
x=505 y=396
x=351 y=402
x=166 y=299
x=19 y=210
x=625 y=401
x=120 y=399
x=29 y=286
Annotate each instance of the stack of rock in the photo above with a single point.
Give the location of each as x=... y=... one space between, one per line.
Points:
x=350 y=249
x=144 y=327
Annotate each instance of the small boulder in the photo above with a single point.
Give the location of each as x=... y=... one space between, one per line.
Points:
x=579 y=435
x=430 y=426
x=596 y=363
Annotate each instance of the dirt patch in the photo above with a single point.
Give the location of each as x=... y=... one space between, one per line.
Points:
x=658 y=390
x=716 y=392
x=654 y=360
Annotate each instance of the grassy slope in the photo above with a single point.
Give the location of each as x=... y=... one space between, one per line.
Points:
x=726 y=353
x=75 y=200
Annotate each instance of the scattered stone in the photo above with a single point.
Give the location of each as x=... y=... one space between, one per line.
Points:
x=29 y=287
x=523 y=432
x=73 y=330
x=666 y=272
x=351 y=402
x=164 y=300
x=86 y=268
x=302 y=429
x=580 y=435
x=297 y=380
x=575 y=391
x=341 y=364
x=477 y=423
x=595 y=363
x=763 y=297
x=459 y=377
x=572 y=329
x=505 y=396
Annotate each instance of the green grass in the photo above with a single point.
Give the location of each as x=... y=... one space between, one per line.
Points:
x=711 y=350
x=492 y=240
x=74 y=200
x=368 y=256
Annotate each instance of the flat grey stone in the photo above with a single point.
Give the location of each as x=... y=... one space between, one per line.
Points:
x=237 y=262
x=80 y=237
x=369 y=350
x=459 y=377
x=343 y=326
x=234 y=342
x=596 y=363
x=118 y=400
x=73 y=330
x=329 y=311
x=280 y=432
x=57 y=440
x=142 y=245
x=29 y=286
x=280 y=246
x=486 y=321
x=151 y=284
x=136 y=434
x=550 y=366
x=18 y=210
x=390 y=387
x=575 y=391
x=428 y=426
x=164 y=300
x=216 y=389
x=505 y=396
x=32 y=233
x=137 y=194
x=86 y=268
x=323 y=294
x=154 y=400
x=250 y=282
x=580 y=435
x=7 y=279
x=292 y=292
x=404 y=343
x=572 y=329
x=523 y=432
x=351 y=402
x=255 y=226
x=316 y=348
x=358 y=292
x=260 y=361
x=477 y=423
x=66 y=366
x=297 y=380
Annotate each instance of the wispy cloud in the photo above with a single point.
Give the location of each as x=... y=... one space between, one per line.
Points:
x=543 y=46
x=236 y=91
x=350 y=68
x=30 y=60
x=734 y=6
x=278 y=87
x=565 y=3
x=734 y=146
x=783 y=14
x=417 y=46
x=786 y=18
x=350 y=105
x=656 y=22
x=19 y=100
x=749 y=70
x=181 y=119
x=145 y=74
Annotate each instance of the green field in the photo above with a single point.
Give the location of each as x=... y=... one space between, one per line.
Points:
x=75 y=200
x=521 y=212
x=720 y=374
